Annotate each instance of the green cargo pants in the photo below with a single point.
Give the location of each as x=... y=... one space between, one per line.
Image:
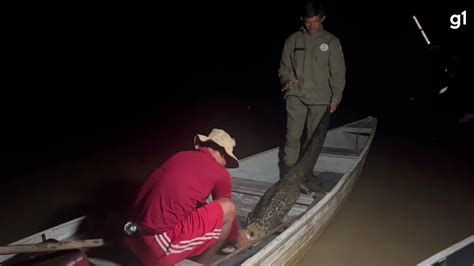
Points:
x=299 y=115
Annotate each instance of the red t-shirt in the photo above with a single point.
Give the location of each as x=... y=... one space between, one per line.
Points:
x=182 y=184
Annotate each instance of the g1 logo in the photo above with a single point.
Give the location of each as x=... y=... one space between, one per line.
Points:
x=456 y=20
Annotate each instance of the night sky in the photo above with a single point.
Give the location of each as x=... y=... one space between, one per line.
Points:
x=78 y=71
x=78 y=78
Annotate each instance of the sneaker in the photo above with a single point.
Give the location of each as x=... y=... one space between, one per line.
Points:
x=228 y=250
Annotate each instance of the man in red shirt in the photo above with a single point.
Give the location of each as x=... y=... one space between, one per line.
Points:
x=173 y=204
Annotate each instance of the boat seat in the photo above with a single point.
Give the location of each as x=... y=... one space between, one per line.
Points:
x=258 y=188
x=341 y=151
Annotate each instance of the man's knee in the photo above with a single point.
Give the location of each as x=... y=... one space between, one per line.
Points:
x=229 y=208
x=292 y=141
x=294 y=130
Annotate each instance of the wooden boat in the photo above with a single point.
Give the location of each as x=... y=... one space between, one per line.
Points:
x=339 y=165
x=460 y=253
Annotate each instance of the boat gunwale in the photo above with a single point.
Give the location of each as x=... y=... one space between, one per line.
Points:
x=47 y=233
x=443 y=254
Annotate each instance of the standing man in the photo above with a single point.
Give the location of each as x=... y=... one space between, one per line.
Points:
x=172 y=205
x=312 y=75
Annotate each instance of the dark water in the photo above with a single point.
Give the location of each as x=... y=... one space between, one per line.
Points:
x=94 y=103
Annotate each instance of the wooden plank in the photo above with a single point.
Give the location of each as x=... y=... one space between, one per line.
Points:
x=246 y=203
x=48 y=246
x=360 y=130
x=249 y=186
x=335 y=163
x=258 y=188
x=341 y=151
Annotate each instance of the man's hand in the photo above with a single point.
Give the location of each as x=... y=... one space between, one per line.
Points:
x=288 y=83
x=242 y=240
x=332 y=107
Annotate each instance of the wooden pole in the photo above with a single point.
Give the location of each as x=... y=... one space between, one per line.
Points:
x=53 y=246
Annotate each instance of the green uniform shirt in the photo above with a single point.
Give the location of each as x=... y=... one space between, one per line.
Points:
x=317 y=62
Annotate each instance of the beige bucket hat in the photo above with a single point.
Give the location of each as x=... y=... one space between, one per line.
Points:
x=224 y=140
